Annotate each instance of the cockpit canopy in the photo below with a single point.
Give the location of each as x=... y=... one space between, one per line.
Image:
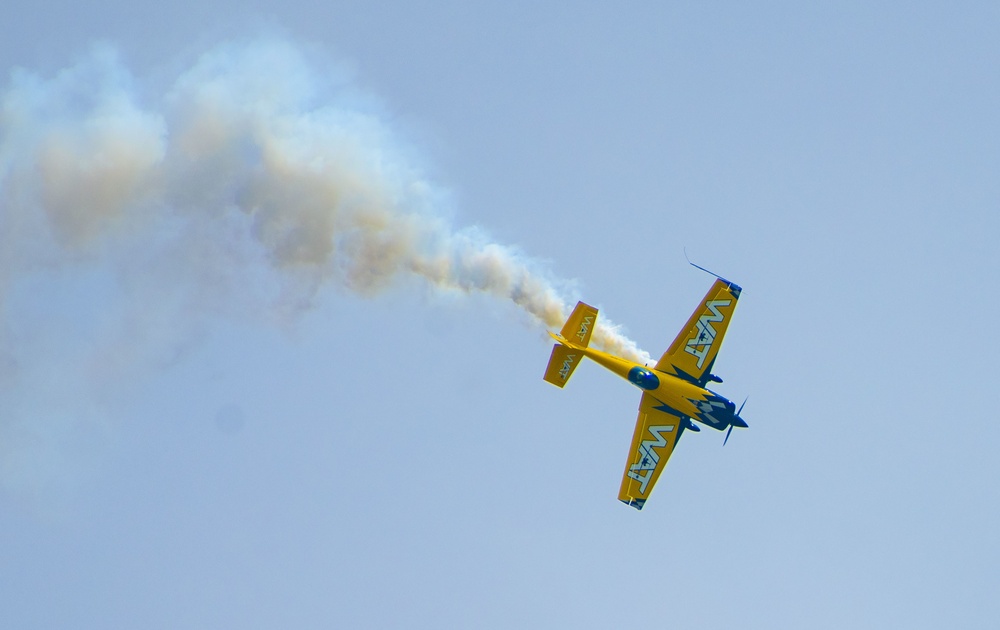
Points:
x=641 y=377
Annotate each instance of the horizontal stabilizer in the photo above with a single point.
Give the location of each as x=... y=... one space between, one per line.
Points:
x=580 y=325
x=561 y=364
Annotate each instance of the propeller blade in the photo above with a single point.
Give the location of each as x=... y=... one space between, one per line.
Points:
x=744 y=402
x=727 y=435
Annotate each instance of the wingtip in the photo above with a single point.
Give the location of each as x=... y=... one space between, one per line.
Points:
x=636 y=503
x=733 y=287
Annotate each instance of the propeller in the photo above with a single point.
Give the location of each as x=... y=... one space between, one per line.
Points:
x=735 y=417
x=741 y=406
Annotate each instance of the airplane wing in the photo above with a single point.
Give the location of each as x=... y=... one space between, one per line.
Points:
x=656 y=434
x=693 y=352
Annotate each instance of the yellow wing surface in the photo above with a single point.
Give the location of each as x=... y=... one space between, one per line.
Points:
x=656 y=434
x=693 y=352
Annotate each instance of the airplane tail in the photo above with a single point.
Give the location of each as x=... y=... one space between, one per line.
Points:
x=575 y=336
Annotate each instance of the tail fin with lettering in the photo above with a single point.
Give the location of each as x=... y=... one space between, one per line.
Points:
x=575 y=335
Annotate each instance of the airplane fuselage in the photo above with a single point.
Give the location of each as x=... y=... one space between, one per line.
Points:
x=679 y=397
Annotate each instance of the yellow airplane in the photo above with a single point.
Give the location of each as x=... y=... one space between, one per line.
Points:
x=674 y=390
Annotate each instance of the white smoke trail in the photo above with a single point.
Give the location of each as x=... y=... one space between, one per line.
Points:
x=251 y=153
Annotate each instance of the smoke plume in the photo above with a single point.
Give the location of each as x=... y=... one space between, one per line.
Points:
x=251 y=156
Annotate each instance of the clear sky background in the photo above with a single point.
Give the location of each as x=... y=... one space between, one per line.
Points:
x=396 y=460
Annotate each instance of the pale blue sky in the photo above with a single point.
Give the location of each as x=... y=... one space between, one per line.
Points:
x=398 y=461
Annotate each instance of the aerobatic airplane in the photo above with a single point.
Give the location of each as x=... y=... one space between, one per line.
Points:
x=674 y=390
